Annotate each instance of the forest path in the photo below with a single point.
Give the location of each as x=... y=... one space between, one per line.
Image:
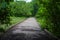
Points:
x=29 y=24
x=27 y=30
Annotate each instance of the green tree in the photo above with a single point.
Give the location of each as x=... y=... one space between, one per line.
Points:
x=4 y=12
x=49 y=10
x=21 y=8
x=53 y=9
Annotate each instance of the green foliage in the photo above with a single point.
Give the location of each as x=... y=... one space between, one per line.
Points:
x=21 y=8
x=14 y=20
x=4 y=13
x=54 y=11
x=48 y=14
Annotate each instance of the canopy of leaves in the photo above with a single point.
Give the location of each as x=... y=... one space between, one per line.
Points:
x=21 y=8
x=49 y=10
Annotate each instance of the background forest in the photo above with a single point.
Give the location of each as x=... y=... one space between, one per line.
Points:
x=47 y=13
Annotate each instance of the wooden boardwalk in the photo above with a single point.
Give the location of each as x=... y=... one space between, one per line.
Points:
x=27 y=30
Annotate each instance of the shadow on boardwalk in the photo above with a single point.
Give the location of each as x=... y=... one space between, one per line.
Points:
x=27 y=30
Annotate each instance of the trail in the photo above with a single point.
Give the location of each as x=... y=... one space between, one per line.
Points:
x=27 y=30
